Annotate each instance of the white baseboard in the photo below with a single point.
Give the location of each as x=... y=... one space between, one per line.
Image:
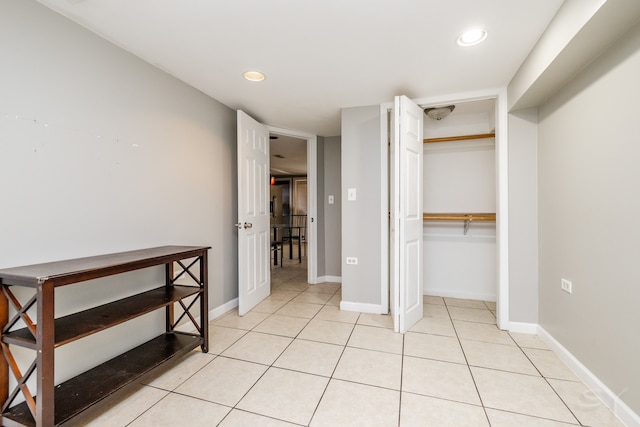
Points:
x=448 y=293
x=332 y=279
x=361 y=307
x=523 y=328
x=222 y=309
x=608 y=397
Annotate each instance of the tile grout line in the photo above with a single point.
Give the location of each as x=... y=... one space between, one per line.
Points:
x=401 y=381
x=475 y=385
x=537 y=369
x=344 y=347
x=234 y=407
x=281 y=353
x=547 y=381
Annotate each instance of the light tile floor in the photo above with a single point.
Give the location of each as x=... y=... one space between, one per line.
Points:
x=297 y=360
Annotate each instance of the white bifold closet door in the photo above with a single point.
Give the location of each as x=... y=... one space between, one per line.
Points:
x=406 y=172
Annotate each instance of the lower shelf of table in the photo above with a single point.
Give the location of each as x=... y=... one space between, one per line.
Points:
x=98 y=384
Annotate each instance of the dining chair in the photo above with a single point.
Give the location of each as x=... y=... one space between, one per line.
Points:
x=299 y=222
x=293 y=233
x=276 y=247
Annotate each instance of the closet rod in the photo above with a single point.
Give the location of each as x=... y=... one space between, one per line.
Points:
x=459 y=138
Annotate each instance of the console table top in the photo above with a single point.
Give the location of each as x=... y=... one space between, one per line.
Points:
x=76 y=270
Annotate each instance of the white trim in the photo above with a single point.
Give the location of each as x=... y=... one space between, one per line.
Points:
x=312 y=197
x=332 y=279
x=384 y=207
x=502 y=221
x=604 y=393
x=362 y=307
x=312 y=226
x=523 y=328
x=213 y=314
x=222 y=309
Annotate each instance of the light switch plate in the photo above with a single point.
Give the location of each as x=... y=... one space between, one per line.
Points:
x=351 y=194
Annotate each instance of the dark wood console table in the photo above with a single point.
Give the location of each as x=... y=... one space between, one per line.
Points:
x=59 y=404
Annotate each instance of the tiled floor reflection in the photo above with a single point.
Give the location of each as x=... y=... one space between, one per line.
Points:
x=298 y=360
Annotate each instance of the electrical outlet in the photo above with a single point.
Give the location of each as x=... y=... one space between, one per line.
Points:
x=566 y=286
x=352 y=260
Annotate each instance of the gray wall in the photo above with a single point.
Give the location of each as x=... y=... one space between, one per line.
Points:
x=332 y=213
x=320 y=227
x=102 y=152
x=329 y=215
x=523 y=217
x=589 y=207
x=361 y=236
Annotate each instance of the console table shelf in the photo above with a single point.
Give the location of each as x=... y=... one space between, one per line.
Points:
x=60 y=404
x=79 y=325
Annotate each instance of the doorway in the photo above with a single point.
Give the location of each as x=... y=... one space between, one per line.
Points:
x=499 y=119
x=460 y=201
x=288 y=204
x=253 y=223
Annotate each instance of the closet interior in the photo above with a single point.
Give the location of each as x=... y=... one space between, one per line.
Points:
x=459 y=232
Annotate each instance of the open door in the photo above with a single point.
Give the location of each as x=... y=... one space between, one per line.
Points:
x=406 y=214
x=254 y=237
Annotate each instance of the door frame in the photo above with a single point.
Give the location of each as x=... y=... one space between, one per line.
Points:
x=502 y=190
x=312 y=196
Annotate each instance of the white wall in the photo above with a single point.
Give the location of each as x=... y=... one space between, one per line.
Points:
x=102 y=152
x=460 y=177
x=588 y=179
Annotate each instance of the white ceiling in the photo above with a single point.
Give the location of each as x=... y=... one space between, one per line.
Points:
x=320 y=56
x=293 y=150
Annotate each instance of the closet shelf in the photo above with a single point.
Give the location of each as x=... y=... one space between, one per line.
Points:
x=466 y=217
x=458 y=216
x=459 y=138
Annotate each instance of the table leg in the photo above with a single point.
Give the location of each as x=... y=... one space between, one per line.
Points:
x=275 y=252
x=290 y=243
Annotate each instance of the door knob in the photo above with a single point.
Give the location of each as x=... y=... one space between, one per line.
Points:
x=248 y=225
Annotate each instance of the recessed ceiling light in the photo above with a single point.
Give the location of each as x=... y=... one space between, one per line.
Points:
x=472 y=37
x=254 y=76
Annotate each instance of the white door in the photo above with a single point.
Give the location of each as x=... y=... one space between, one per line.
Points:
x=254 y=237
x=406 y=214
